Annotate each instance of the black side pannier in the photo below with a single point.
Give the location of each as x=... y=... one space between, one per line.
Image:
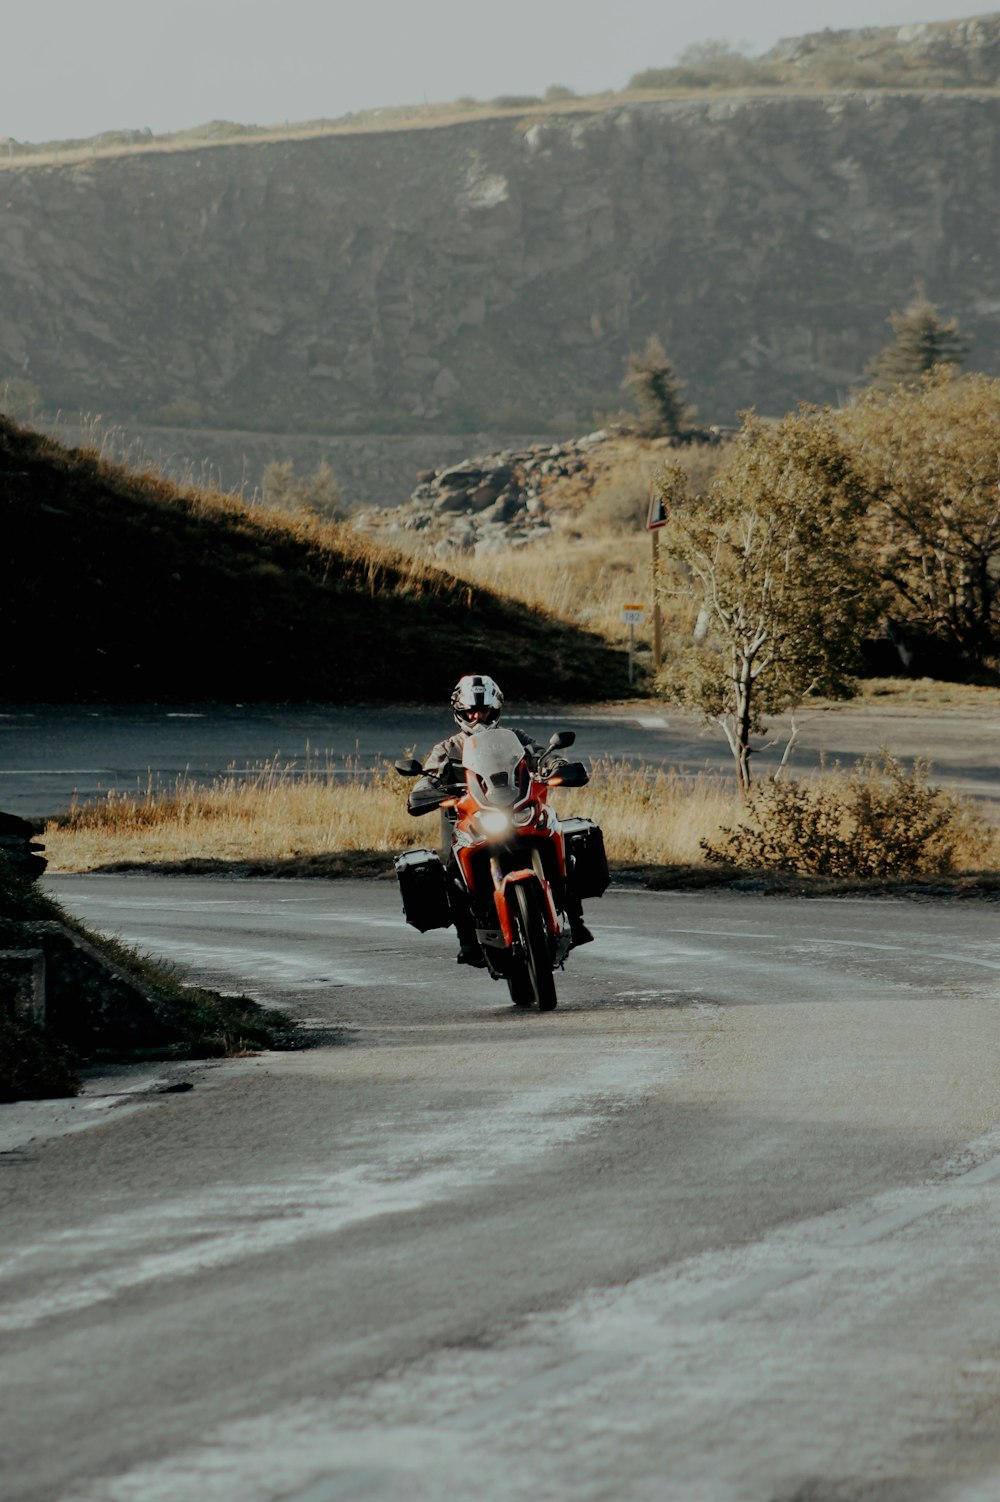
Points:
x=423 y=887
x=586 y=862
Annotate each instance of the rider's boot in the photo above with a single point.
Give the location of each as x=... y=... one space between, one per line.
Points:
x=579 y=932
x=469 y=949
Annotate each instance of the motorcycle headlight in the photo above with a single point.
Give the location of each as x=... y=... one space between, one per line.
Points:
x=526 y=814
x=493 y=821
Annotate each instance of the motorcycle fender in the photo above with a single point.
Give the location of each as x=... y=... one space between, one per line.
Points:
x=503 y=910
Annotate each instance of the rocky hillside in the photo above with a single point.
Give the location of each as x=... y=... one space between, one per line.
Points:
x=492 y=274
x=497 y=502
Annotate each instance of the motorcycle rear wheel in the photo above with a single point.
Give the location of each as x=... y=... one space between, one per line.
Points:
x=534 y=937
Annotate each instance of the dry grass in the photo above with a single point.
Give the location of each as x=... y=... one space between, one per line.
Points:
x=927 y=693
x=599 y=555
x=586 y=581
x=390 y=119
x=284 y=812
x=288 y=812
x=652 y=816
x=281 y=811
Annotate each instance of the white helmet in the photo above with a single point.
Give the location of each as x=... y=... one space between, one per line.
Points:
x=477 y=701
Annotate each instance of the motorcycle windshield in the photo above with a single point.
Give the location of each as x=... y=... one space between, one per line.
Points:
x=495 y=766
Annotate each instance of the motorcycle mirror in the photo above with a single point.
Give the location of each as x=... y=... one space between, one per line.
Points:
x=408 y=768
x=560 y=739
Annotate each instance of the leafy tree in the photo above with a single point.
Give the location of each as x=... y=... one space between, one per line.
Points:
x=930 y=458
x=922 y=343
x=658 y=393
x=768 y=558
x=318 y=493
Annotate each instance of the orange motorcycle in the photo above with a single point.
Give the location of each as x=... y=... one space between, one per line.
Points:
x=521 y=868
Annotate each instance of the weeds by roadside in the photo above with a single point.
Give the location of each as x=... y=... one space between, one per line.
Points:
x=286 y=812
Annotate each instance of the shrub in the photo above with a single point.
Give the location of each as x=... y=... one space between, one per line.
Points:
x=180 y=412
x=877 y=821
x=515 y=101
x=706 y=65
x=318 y=493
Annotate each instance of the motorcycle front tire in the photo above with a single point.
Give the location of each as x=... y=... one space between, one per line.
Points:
x=534 y=936
x=519 y=983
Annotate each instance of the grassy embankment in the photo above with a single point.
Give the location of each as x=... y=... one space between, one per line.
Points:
x=118 y=587
x=185 y=1021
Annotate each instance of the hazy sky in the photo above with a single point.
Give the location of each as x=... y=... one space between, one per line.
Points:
x=76 y=67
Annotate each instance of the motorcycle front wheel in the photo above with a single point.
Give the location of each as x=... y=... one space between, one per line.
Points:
x=533 y=934
x=519 y=983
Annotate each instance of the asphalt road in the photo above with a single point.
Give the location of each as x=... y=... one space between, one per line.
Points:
x=720 y=1229
x=51 y=753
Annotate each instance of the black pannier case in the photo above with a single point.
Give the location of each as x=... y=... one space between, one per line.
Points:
x=423 y=887
x=586 y=862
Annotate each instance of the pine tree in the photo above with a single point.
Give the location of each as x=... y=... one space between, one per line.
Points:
x=922 y=342
x=658 y=392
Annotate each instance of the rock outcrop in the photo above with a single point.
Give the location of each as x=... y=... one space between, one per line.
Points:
x=486 y=504
x=512 y=497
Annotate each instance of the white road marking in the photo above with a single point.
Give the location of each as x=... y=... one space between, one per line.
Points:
x=652 y=722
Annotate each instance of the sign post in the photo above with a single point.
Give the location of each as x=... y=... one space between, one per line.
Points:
x=657 y=517
x=632 y=615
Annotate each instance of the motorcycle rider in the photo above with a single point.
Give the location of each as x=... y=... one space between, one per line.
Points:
x=476 y=703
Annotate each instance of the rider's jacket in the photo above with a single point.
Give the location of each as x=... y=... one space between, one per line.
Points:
x=443 y=763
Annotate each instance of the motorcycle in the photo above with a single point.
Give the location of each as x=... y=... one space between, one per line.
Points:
x=520 y=865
